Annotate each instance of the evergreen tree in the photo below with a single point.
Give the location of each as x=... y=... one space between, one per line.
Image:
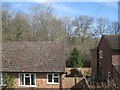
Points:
x=75 y=59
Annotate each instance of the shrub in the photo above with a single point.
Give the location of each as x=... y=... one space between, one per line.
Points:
x=10 y=81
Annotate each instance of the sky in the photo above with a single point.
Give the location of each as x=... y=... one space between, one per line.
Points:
x=72 y=9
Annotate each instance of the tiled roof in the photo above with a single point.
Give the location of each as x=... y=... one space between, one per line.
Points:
x=113 y=41
x=33 y=57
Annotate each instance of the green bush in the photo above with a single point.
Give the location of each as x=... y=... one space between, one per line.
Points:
x=10 y=81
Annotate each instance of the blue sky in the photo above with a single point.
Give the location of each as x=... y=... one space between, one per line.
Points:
x=73 y=9
x=95 y=9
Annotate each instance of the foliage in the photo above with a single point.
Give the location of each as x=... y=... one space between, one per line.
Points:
x=75 y=73
x=41 y=24
x=87 y=63
x=75 y=59
x=10 y=81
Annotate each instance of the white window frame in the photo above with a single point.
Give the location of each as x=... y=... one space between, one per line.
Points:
x=30 y=79
x=100 y=54
x=53 y=78
x=1 y=82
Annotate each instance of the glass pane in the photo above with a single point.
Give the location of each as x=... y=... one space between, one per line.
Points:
x=56 y=80
x=4 y=78
x=101 y=54
x=32 y=79
x=21 y=79
x=27 y=75
x=49 y=77
x=55 y=74
x=27 y=80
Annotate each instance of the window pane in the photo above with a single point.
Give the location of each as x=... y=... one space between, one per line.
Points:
x=32 y=79
x=49 y=77
x=4 y=78
x=21 y=79
x=27 y=80
x=101 y=54
x=27 y=75
x=56 y=75
x=56 y=80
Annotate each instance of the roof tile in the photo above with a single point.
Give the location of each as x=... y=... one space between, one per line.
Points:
x=33 y=57
x=113 y=41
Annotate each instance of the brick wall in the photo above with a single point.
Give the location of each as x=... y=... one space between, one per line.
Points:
x=104 y=64
x=94 y=62
x=116 y=59
x=106 y=60
x=41 y=81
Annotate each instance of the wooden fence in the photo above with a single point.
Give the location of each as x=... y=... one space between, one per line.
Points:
x=71 y=81
x=83 y=71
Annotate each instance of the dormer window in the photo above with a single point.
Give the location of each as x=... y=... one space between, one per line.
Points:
x=101 y=54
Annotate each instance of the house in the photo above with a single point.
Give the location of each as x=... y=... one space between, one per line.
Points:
x=106 y=59
x=34 y=64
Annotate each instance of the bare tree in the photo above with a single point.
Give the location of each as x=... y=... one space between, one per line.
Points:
x=68 y=27
x=115 y=27
x=18 y=28
x=102 y=26
x=21 y=28
x=82 y=25
x=7 y=15
x=40 y=19
x=46 y=27
x=55 y=30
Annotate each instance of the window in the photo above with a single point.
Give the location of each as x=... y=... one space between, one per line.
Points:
x=101 y=54
x=0 y=78
x=52 y=78
x=27 y=79
x=3 y=79
x=4 y=76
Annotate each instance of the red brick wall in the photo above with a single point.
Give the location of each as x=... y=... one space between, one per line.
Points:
x=94 y=61
x=105 y=63
x=106 y=60
x=41 y=81
x=116 y=59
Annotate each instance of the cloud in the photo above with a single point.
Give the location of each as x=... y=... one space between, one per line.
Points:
x=63 y=8
x=66 y=9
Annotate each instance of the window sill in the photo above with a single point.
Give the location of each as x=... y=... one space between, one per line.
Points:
x=27 y=85
x=53 y=83
x=3 y=85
